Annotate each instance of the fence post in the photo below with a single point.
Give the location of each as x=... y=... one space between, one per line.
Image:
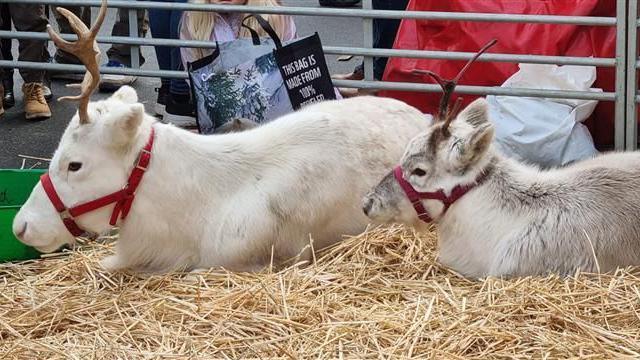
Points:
x=133 y=32
x=367 y=24
x=631 y=91
x=620 y=87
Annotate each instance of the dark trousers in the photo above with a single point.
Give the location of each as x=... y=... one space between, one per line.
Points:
x=84 y=13
x=384 y=33
x=165 y=25
x=25 y=17
x=117 y=52
x=5 y=43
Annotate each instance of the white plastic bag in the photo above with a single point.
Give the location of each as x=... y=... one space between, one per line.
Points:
x=546 y=132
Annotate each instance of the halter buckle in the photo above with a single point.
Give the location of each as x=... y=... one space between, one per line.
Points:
x=138 y=166
x=65 y=214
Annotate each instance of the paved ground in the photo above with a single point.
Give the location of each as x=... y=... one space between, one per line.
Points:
x=18 y=136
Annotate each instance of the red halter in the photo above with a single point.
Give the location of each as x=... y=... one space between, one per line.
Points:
x=416 y=197
x=123 y=198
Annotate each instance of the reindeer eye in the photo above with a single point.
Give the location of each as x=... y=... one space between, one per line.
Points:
x=418 y=172
x=74 y=166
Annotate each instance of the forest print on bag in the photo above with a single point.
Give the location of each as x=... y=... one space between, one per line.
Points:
x=253 y=90
x=258 y=80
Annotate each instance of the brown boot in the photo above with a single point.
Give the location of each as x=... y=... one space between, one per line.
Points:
x=1 y=97
x=35 y=105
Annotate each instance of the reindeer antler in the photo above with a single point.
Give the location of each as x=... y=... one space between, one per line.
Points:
x=86 y=49
x=445 y=113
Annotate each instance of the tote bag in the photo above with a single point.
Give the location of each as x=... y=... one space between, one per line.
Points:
x=259 y=79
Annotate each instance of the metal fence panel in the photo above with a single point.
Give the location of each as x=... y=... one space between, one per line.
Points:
x=620 y=102
x=625 y=62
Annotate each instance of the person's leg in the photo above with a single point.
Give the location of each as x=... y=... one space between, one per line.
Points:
x=5 y=43
x=61 y=56
x=160 y=26
x=179 y=109
x=122 y=52
x=384 y=35
x=173 y=101
x=84 y=14
x=178 y=86
x=384 y=32
x=27 y=17
x=8 y=99
x=119 y=55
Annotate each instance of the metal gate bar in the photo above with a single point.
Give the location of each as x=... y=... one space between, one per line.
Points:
x=357 y=13
x=385 y=85
x=620 y=101
x=367 y=24
x=133 y=29
x=343 y=50
x=631 y=86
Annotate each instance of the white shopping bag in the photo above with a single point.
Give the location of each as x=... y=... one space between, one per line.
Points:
x=546 y=132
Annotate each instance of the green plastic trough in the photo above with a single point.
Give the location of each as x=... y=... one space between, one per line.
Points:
x=15 y=187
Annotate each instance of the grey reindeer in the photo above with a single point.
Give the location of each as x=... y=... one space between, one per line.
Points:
x=498 y=217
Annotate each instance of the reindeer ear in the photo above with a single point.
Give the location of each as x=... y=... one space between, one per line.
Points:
x=126 y=94
x=476 y=114
x=472 y=147
x=480 y=139
x=471 y=143
x=126 y=124
x=131 y=121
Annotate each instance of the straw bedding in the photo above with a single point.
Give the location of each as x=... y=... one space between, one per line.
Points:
x=378 y=295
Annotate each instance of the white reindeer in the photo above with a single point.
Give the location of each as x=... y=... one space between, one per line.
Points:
x=510 y=219
x=237 y=125
x=232 y=200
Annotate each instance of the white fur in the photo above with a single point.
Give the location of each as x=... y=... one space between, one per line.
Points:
x=224 y=200
x=521 y=220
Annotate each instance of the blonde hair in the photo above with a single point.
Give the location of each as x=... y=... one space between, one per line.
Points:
x=200 y=24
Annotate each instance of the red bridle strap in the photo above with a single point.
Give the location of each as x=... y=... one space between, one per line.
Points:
x=122 y=198
x=416 y=197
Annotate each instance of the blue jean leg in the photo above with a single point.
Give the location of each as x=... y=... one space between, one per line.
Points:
x=165 y=25
x=384 y=32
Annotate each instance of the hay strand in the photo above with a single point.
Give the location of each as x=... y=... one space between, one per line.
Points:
x=378 y=295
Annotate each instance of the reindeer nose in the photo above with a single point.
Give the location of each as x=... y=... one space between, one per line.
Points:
x=19 y=232
x=367 y=205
